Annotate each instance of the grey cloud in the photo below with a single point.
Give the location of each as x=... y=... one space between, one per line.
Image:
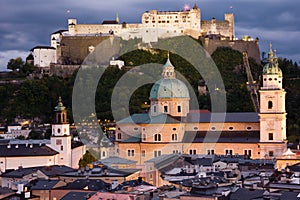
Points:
x=32 y=21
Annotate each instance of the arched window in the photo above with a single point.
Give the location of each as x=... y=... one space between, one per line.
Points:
x=157 y=137
x=270 y=104
x=178 y=108
x=174 y=137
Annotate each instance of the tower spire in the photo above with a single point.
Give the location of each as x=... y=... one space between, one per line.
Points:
x=117 y=18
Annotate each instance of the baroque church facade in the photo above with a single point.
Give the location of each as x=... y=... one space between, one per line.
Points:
x=171 y=127
x=59 y=150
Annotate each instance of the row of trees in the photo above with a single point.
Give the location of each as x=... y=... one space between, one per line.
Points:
x=18 y=65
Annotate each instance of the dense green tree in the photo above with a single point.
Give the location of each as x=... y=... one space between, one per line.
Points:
x=15 y=64
x=20 y=137
x=35 y=135
x=86 y=159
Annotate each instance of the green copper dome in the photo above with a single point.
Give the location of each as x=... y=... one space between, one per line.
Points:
x=169 y=86
x=60 y=106
x=271 y=68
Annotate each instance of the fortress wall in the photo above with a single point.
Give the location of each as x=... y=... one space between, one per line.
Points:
x=74 y=49
x=219 y=27
x=63 y=70
x=94 y=28
x=251 y=47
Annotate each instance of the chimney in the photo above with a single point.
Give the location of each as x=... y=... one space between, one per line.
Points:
x=254 y=186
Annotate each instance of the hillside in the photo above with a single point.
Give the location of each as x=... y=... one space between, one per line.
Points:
x=36 y=98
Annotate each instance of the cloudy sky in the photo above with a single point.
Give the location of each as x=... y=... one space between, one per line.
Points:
x=28 y=23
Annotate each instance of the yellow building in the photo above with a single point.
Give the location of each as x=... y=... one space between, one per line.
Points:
x=171 y=127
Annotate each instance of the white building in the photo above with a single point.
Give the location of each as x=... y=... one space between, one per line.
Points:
x=61 y=150
x=43 y=56
x=159 y=24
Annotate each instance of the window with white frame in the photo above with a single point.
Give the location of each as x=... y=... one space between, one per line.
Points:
x=130 y=152
x=248 y=152
x=157 y=153
x=210 y=152
x=174 y=137
x=228 y=152
x=157 y=137
x=193 y=151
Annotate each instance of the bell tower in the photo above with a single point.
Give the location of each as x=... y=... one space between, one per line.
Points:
x=272 y=109
x=61 y=138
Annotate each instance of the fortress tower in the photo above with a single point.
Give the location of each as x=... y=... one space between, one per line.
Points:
x=230 y=18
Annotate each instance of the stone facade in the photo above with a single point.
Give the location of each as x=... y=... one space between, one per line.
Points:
x=251 y=47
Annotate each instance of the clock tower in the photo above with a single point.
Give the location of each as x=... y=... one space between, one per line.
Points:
x=272 y=109
x=61 y=138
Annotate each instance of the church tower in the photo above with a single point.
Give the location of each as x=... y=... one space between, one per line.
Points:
x=61 y=138
x=272 y=109
x=169 y=95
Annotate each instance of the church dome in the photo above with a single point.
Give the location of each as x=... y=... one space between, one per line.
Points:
x=169 y=86
x=272 y=68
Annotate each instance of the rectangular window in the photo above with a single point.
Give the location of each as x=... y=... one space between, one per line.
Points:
x=210 y=152
x=157 y=153
x=119 y=136
x=150 y=176
x=228 y=151
x=165 y=109
x=193 y=151
x=178 y=108
x=143 y=153
x=154 y=109
x=130 y=153
x=271 y=153
x=248 y=152
x=271 y=136
x=270 y=104
x=61 y=148
x=58 y=142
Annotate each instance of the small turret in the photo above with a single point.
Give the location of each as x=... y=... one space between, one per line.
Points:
x=168 y=71
x=60 y=113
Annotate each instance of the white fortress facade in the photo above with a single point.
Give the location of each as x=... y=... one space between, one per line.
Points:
x=159 y=24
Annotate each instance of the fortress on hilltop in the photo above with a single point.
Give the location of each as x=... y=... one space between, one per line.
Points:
x=68 y=48
x=160 y=24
